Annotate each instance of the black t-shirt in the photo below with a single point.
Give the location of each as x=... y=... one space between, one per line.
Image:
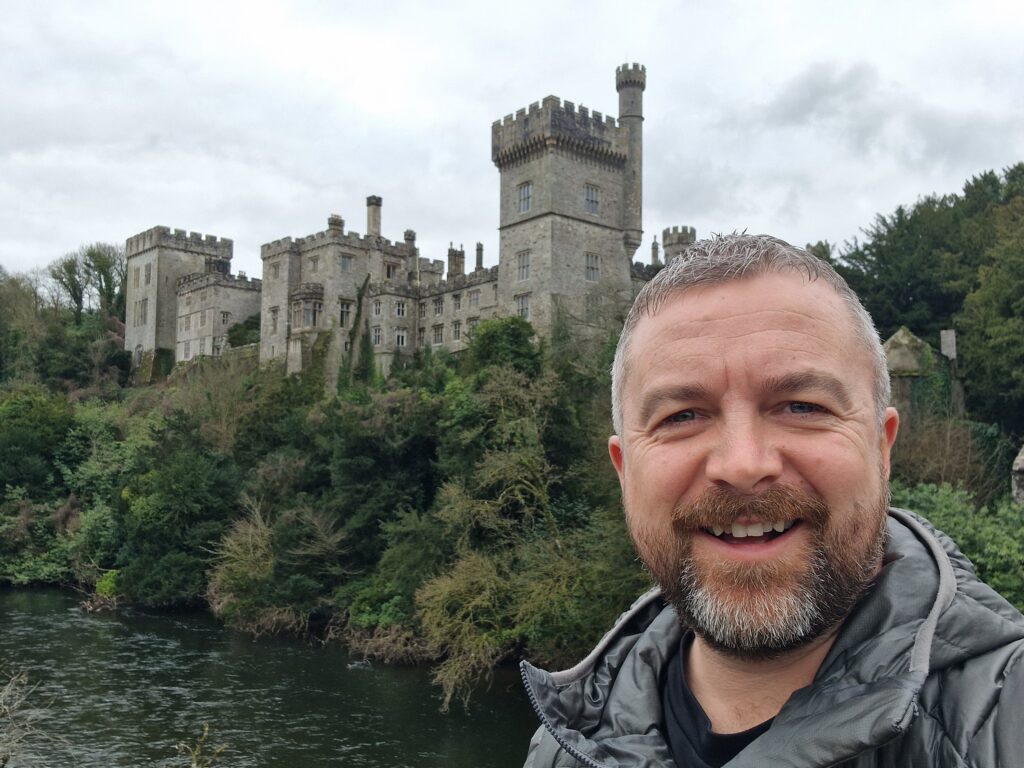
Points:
x=687 y=728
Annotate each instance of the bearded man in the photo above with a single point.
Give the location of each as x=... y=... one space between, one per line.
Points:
x=799 y=621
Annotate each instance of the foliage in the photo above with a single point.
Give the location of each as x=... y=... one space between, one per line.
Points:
x=991 y=537
x=992 y=324
x=245 y=332
x=199 y=755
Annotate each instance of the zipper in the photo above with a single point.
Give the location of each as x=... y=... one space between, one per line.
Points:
x=549 y=726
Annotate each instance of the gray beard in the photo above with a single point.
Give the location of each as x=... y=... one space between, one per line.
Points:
x=776 y=612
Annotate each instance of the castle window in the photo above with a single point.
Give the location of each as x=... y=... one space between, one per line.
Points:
x=400 y=337
x=345 y=262
x=297 y=314
x=318 y=310
x=187 y=350
x=188 y=322
x=523 y=305
x=438 y=306
x=202 y=346
x=377 y=308
x=472 y=323
x=456 y=330
x=215 y=347
x=345 y=313
x=522 y=265
x=202 y=319
x=399 y=309
x=275 y=271
x=135 y=278
x=591 y=198
x=378 y=335
x=149 y=274
x=422 y=336
x=314 y=263
x=423 y=309
x=474 y=298
x=525 y=195
x=438 y=334
x=391 y=271
x=225 y=317
x=273 y=319
x=456 y=301
x=593 y=267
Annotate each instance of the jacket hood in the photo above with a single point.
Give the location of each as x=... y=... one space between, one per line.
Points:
x=921 y=614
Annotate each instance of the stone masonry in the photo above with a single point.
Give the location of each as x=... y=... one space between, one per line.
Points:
x=570 y=221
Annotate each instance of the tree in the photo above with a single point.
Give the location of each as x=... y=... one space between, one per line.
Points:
x=104 y=266
x=992 y=327
x=72 y=279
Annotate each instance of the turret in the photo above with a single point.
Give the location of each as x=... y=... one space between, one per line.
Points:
x=630 y=81
x=675 y=240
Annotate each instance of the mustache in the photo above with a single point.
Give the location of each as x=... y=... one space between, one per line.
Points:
x=721 y=507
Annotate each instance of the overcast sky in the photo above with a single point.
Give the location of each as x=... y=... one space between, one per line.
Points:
x=257 y=120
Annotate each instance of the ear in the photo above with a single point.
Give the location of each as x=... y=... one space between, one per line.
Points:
x=890 y=426
x=618 y=460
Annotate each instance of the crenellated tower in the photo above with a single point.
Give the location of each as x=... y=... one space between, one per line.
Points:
x=630 y=82
x=156 y=260
x=675 y=240
x=570 y=205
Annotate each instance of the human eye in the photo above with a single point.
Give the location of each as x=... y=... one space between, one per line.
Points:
x=800 y=408
x=681 y=417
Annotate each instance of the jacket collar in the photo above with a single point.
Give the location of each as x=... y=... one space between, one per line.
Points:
x=606 y=711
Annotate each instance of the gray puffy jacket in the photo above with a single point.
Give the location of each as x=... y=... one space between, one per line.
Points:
x=926 y=671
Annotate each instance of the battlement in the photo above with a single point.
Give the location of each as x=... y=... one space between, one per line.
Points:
x=310 y=291
x=558 y=122
x=678 y=235
x=630 y=75
x=456 y=282
x=193 y=242
x=199 y=280
x=335 y=233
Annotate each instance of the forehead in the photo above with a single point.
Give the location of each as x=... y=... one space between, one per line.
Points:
x=774 y=320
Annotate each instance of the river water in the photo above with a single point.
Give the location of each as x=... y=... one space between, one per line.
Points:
x=124 y=689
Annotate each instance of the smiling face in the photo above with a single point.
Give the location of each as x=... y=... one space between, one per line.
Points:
x=753 y=466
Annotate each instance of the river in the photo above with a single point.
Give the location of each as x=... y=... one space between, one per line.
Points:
x=124 y=689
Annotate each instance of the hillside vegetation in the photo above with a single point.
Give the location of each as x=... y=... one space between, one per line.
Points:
x=462 y=512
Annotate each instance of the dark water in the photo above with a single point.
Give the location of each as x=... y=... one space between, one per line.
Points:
x=125 y=689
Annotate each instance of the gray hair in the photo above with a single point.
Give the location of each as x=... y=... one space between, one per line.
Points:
x=724 y=258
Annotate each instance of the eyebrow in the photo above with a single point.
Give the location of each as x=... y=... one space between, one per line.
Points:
x=801 y=381
x=656 y=398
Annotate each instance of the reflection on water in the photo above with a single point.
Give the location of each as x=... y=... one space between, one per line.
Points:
x=125 y=689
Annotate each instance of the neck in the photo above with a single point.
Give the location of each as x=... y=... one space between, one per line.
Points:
x=737 y=694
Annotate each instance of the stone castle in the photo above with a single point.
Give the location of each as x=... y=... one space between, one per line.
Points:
x=570 y=223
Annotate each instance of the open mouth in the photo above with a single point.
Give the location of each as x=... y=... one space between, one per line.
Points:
x=751 y=532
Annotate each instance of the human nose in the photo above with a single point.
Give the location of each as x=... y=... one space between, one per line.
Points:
x=745 y=458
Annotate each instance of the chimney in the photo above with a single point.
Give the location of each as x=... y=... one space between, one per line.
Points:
x=479 y=255
x=456 y=261
x=373 y=204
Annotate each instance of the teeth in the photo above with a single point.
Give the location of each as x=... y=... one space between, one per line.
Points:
x=741 y=531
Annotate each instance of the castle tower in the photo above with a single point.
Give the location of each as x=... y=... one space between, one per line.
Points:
x=156 y=260
x=630 y=81
x=570 y=206
x=675 y=240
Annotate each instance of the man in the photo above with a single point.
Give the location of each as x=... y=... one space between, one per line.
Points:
x=799 y=621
